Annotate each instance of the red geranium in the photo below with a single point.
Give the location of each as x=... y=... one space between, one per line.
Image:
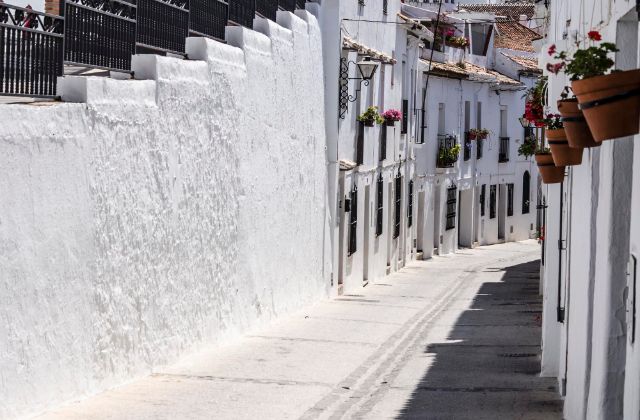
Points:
x=552 y=49
x=594 y=35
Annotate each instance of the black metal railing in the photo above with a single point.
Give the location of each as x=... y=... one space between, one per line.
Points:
x=242 y=12
x=208 y=18
x=448 y=151
x=31 y=46
x=267 y=8
x=503 y=153
x=300 y=4
x=162 y=25
x=100 y=33
x=289 y=5
x=467 y=146
x=452 y=199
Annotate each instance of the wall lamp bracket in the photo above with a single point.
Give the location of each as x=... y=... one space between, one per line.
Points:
x=366 y=70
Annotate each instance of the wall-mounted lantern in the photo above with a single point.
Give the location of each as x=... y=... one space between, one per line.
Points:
x=366 y=70
x=524 y=122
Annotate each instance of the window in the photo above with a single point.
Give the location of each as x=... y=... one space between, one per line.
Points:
x=398 y=203
x=405 y=116
x=483 y=195
x=379 y=205
x=353 y=221
x=441 y=120
x=360 y=145
x=383 y=143
x=526 y=192
x=452 y=193
x=467 y=127
x=492 y=202
x=385 y=6
x=410 y=204
x=479 y=142
x=509 y=199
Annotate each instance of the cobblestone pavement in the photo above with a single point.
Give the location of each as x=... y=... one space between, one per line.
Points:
x=455 y=337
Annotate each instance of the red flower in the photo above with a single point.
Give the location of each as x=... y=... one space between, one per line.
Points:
x=594 y=35
x=552 y=49
x=555 y=68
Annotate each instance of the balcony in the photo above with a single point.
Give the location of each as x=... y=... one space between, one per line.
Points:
x=448 y=151
x=503 y=153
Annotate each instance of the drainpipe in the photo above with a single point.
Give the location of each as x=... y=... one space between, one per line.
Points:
x=559 y=308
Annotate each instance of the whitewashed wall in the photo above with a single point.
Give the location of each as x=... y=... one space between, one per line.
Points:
x=154 y=216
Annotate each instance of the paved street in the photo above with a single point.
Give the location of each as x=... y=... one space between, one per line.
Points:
x=456 y=337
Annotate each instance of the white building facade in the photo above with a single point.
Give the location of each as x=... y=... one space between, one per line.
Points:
x=592 y=240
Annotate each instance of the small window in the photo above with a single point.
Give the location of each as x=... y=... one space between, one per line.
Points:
x=383 y=143
x=492 y=202
x=385 y=6
x=379 y=204
x=398 y=204
x=526 y=192
x=405 y=116
x=360 y=144
x=353 y=221
x=452 y=193
x=509 y=199
x=483 y=195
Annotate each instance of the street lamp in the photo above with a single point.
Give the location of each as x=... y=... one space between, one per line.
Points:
x=366 y=69
x=524 y=122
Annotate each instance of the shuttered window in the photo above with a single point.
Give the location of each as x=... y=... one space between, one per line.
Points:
x=483 y=198
x=526 y=192
x=509 y=199
x=379 y=204
x=353 y=221
x=405 y=116
x=398 y=203
x=452 y=193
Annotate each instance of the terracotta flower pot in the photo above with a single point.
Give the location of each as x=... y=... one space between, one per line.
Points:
x=610 y=103
x=575 y=125
x=563 y=155
x=550 y=173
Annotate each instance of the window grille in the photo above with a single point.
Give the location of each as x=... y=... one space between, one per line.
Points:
x=526 y=192
x=242 y=12
x=479 y=147
x=208 y=18
x=509 y=199
x=379 y=204
x=410 y=205
x=162 y=25
x=492 y=202
x=353 y=221
x=483 y=195
x=452 y=193
x=503 y=154
x=267 y=8
x=360 y=144
x=289 y=5
x=398 y=204
x=300 y=4
x=445 y=143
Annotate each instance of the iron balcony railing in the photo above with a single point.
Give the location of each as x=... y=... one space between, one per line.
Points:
x=447 y=151
x=104 y=34
x=503 y=153
x=31 y=46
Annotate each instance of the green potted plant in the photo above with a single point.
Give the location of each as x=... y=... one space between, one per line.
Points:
x=449 y=155
x=528 y=147
x=370 y=117
x=610 y=102
x=563 y=155
x=575 y=125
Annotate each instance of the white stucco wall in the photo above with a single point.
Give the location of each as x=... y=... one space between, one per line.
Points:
x=160 y=215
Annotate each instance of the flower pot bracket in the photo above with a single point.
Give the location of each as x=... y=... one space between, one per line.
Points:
x=610 y=99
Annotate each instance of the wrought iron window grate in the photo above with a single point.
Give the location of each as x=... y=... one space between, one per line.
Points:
x=267 y=8
x=208 y=18
x=492 y=202
x=503 y=153
x=383 y=144
x=360 y=144
x=289 y=5
x=379 y=205
x=479 y=148
x=509 y=199
x=410 y=205
x=398 y=205
x=353 y=221
x=446 y=158
x=452 y=193
x=483 y=198
x=242 y=12
x=162 y=25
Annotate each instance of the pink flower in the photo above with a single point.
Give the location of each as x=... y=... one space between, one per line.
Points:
x=555 y=68
x=594 y=35
x=552 y=49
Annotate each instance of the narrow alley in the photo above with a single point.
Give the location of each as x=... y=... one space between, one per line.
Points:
x=454 y=337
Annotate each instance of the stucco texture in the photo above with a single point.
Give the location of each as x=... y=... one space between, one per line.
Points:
x=157 y=216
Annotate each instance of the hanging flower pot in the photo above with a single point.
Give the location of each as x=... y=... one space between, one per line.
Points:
x=575 y=125
x=610 y=103
x=370 y=117
x=391 y=116
x=550 y=173
x=563 y=155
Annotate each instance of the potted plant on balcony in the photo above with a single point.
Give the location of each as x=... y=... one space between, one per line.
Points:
x=391 y=116
x=449 y=155
x=563 y=155
x=575 y=125
x=478 y=133
x=454 y=41
x=610 y=102
x=528 y=147
x=370 y=117
x=550 y=173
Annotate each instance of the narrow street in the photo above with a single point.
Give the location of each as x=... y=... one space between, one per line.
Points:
x=454 y=337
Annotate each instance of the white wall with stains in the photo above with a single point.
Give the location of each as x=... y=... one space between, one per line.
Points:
x=159 y=215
